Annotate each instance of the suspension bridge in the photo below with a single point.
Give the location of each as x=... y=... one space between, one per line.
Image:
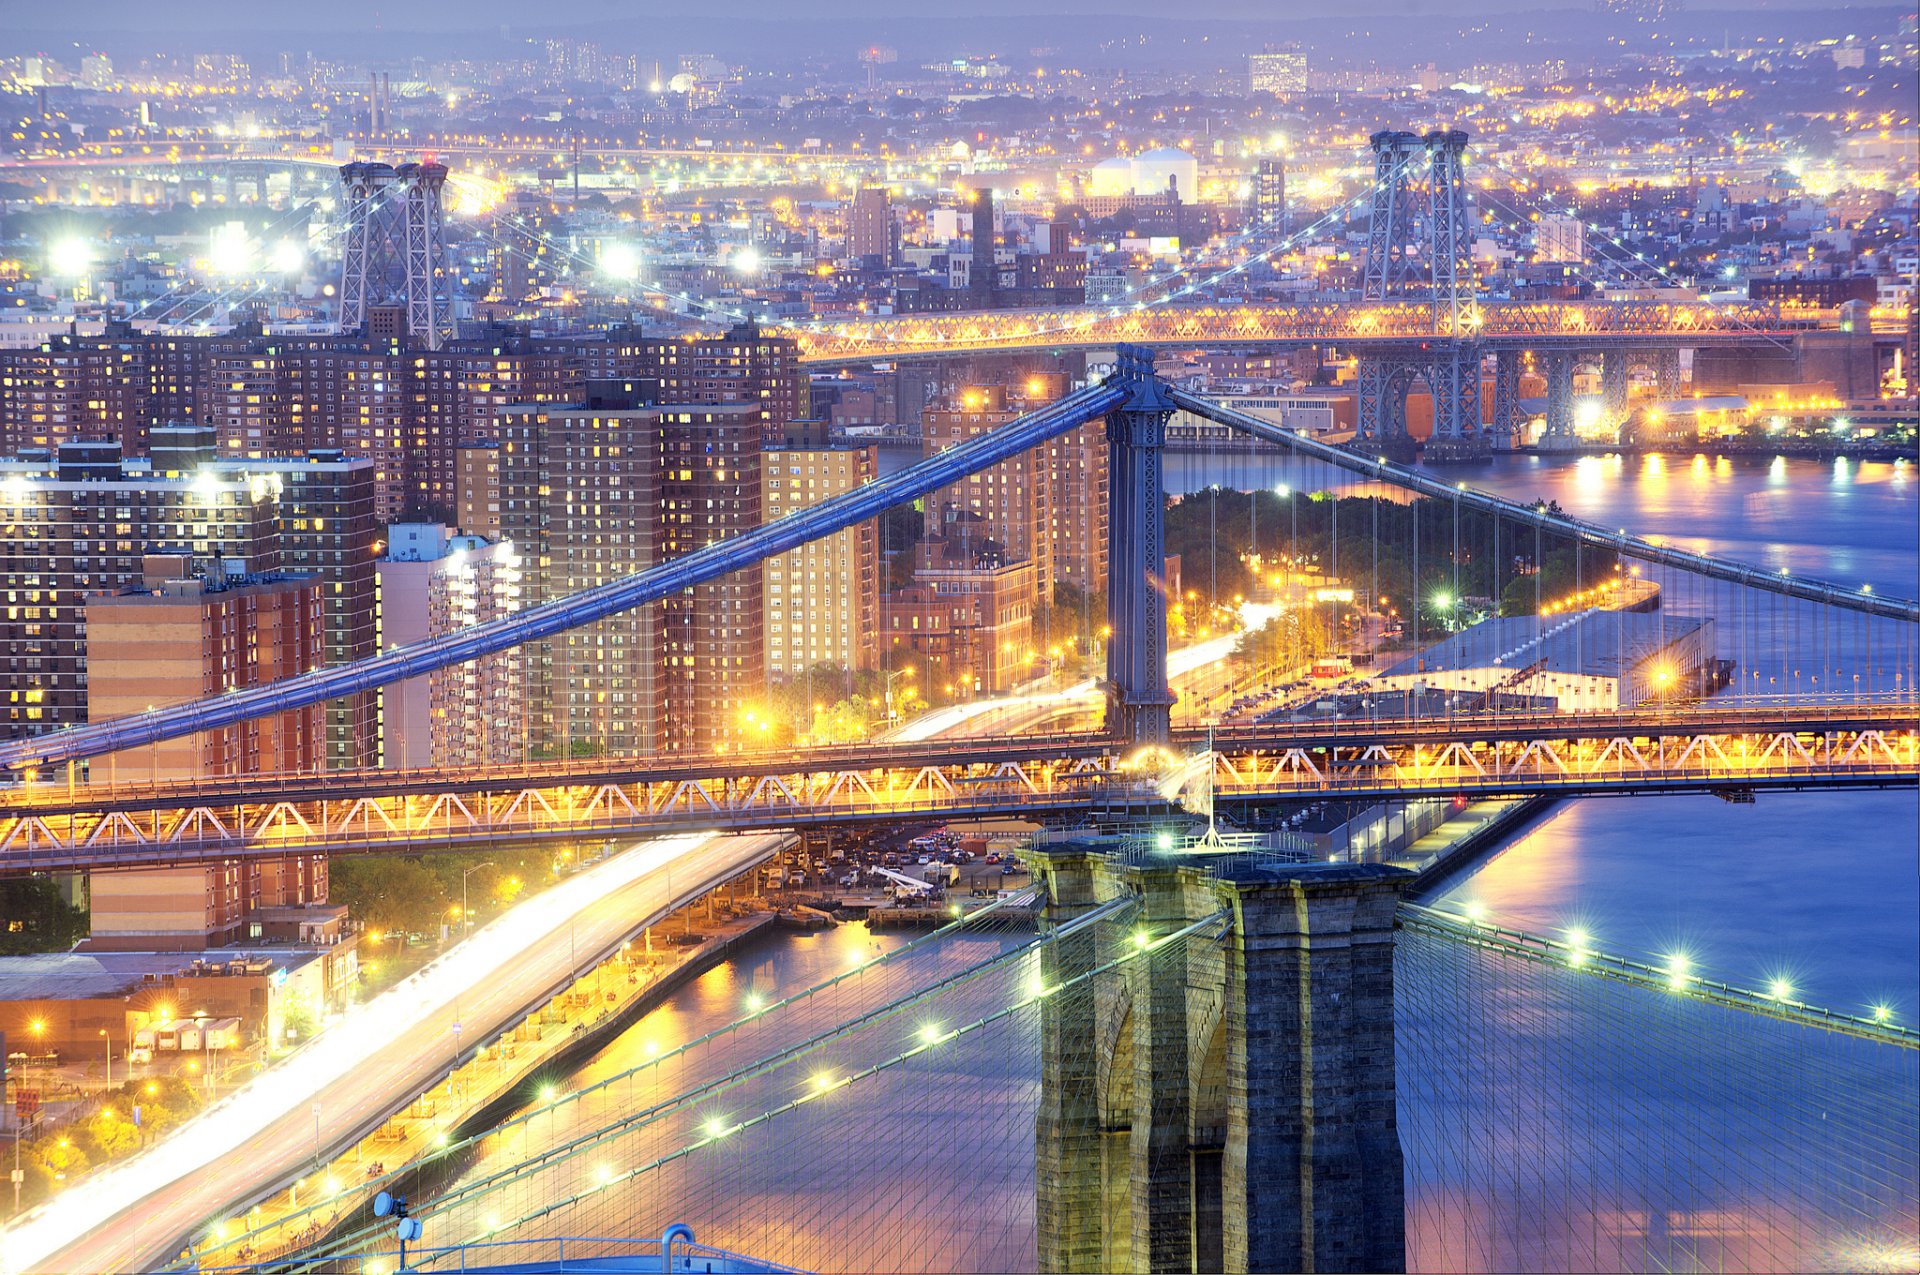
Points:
x=1147 y=1024
x=1206 y=1054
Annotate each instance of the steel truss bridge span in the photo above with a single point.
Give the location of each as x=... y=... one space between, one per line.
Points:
x=1875 y=746
x=1531 y=325
x=1884 y=714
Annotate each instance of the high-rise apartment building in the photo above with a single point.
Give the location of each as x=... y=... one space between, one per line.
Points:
x=1077 y=513
x=79 y=522
x=329 y=528
x=822 y=600
x=1012 y=500
x=870 y=226
x=1560 y=239
x=1269 y=198
x=595 y=491
x=192 y=630
x=742 y=365
x=1276 y=71
x=580 y=500
x=433 y=583
x=79 y=525
x=195 y=627
x=476 y=488
x=374 y=396
x=712 y=635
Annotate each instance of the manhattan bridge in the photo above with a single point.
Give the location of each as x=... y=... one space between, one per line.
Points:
x=1186 y=1046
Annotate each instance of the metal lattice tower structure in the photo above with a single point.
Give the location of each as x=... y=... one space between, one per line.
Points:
x=1419 y=248
x=396 y=248
x=1419 y=242
x=1393 y=233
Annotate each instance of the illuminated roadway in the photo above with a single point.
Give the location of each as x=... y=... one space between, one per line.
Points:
x=379 y=1055
x=1528 y=325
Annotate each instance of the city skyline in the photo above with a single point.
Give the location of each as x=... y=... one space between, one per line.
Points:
x=1115 y=640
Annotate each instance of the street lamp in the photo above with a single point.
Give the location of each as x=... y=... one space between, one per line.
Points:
x=466 y=913
x=106 y=1047
x=906 y=672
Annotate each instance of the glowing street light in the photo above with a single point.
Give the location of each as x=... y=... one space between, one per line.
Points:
x=70 y=258
x=230 y=251
x=747 y=260
x=289 y=257
x=620 y=261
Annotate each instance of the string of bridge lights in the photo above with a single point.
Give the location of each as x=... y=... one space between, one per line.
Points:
x=1676 y=971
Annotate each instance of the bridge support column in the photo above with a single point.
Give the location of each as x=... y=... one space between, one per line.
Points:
x=1312 y=1176
x=1381 y=426
x=1506 y=400
x=1614 y=365
x=1071 y=1138
x=1252 y=1076
x=1666 y=374
x=1457 y=430
x=1139 y=705
x=1160 y=1171
x=1558 y=435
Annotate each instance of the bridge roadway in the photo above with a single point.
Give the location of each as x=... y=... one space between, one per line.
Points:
x=339 y=1088
x=1062 y=778
x=1526 y=325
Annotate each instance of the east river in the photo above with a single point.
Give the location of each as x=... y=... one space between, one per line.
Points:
x=1543 y=1129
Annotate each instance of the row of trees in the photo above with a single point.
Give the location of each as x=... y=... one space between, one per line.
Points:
x=36 y=917
x=1426 y=551
x=108 y=1133
x=411 y=894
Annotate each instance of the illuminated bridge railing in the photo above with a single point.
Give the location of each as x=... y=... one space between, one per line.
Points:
x=1603 y=322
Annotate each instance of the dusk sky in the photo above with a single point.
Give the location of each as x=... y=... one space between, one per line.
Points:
x=102 y=17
